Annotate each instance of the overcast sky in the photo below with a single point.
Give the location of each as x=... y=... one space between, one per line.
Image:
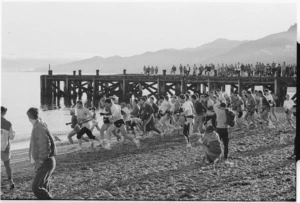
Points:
x=86 y=29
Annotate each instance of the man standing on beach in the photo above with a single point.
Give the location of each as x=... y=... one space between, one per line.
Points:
x=7 y=134
x=41 y=152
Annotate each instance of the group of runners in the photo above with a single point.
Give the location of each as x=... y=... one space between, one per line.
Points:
x=186 y=114
x=210 y=117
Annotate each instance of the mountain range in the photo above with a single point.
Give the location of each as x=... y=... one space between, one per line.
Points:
x=276 y=47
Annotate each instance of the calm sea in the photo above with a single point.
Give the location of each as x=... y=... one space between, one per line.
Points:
x=21 y=90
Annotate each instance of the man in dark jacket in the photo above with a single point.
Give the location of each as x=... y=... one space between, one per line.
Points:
x=200 y=110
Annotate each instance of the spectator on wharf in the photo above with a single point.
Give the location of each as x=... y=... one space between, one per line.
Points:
x=195 y=70
x=222 y=127
x=145 y=70
x=148 y=70
x=278 y=70
x=41 y=152
x=152 y=70
x=180 y=69
x=156 y=70
x=173 y=70
x=288 y=104
x=7 y=134
x=283 y=69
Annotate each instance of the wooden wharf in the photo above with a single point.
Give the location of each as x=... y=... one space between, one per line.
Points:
x=72 y=87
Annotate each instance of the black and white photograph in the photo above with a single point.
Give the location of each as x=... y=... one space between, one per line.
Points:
x=149 y=100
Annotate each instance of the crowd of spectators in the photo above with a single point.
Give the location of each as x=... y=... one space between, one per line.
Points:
x=150 y=70
x=239 y=69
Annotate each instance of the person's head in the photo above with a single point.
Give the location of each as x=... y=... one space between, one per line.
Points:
x=93 y=109
x=79 y=104
x=161 y=98
x=214 y=98
x=267 y=92
x=211 y=94
x=33 y=114
x=260 y=93
x=167 y=98
x=123 y=105
x=188 y=92
x=223 y=105
x=3 y=111
x=182 y=98
x=218 y=91
x=287 y=97
x=135 y=102
x=206 y=96
x=248 y=93
x=108 y=102
x=142 y=100
x=174 y=98
x=72 y=112
x=210 y=129
x=194 y=98
x=151 y=99
x=187 y=97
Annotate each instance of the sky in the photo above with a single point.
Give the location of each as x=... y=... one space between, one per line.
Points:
x=86 y=29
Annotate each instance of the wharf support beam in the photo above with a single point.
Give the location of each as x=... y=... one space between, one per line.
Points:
x=124 y=86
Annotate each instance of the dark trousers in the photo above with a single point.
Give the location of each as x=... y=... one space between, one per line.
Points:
x=87 y=131
x=223 y=133
x=213 y=120
x=150 y=125
x=40 y=185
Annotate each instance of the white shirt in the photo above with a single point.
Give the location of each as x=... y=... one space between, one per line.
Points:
x=288 y=104
x=116 y=112
x=269 y=97
x=187 y=108
x=83 y=114
x=127 y=114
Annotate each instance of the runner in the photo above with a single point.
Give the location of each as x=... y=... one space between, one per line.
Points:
x=73 y=123
x=270 y=99
x=222 y=127
x=118 y=123
x=83 y=127
x=187 y=112
x=94 y=121
x=147 y=118
x=7 y=134
x=200 y=110
x=288 y=105
x=106 y=113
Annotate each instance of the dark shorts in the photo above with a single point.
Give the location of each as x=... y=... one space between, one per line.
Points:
x=119 y=123
x=240 y=114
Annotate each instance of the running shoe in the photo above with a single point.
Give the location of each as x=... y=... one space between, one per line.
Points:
x=107 y=146
x=137 y=143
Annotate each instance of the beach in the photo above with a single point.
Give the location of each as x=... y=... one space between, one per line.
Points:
x=163 y=169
